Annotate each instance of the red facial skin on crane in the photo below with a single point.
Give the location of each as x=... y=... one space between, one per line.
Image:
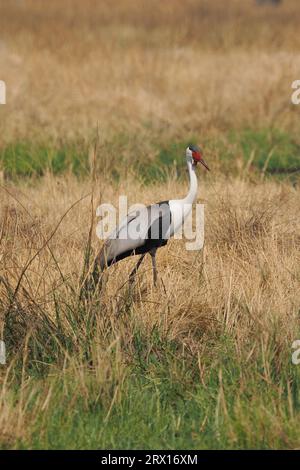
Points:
x=197 y=157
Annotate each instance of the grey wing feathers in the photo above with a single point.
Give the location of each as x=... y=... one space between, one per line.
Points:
x=143 y=228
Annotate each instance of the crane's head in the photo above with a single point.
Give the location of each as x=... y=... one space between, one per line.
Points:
x=194 y=155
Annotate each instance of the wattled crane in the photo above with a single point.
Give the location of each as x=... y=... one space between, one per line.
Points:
x=145 y=230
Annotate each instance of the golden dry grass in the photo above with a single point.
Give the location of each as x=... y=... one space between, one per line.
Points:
x=243 y=285
x=246 y=274
x=178 y=67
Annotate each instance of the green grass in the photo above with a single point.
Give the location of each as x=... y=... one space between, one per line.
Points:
x=27 y=159
x=278 y=150
x=162 y=402
x=270 y=150
x=158 y=410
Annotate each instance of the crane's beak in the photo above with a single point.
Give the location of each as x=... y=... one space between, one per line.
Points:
x=197 y=157
x=204 y=164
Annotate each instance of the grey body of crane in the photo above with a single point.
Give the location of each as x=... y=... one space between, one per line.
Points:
x=142 y=231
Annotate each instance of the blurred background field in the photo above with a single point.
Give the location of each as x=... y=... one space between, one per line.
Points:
x=148 y=74
x=203 y=360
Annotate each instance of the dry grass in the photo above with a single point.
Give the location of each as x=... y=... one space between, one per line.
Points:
x=251 y=250
x=243 y=286
x=178 y=67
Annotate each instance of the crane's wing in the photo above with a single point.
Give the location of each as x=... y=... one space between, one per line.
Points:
x=137 y=233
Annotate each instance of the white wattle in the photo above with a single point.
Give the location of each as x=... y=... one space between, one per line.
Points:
x=180 y=208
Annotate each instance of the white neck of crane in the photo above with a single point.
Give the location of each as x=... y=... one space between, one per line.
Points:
x=180 y=208
x=192 y=194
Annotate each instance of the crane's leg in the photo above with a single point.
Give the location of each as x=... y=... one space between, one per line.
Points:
x=134 y=271
x=154 y=268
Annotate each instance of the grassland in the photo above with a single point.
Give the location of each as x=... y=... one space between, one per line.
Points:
x=204 y=359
